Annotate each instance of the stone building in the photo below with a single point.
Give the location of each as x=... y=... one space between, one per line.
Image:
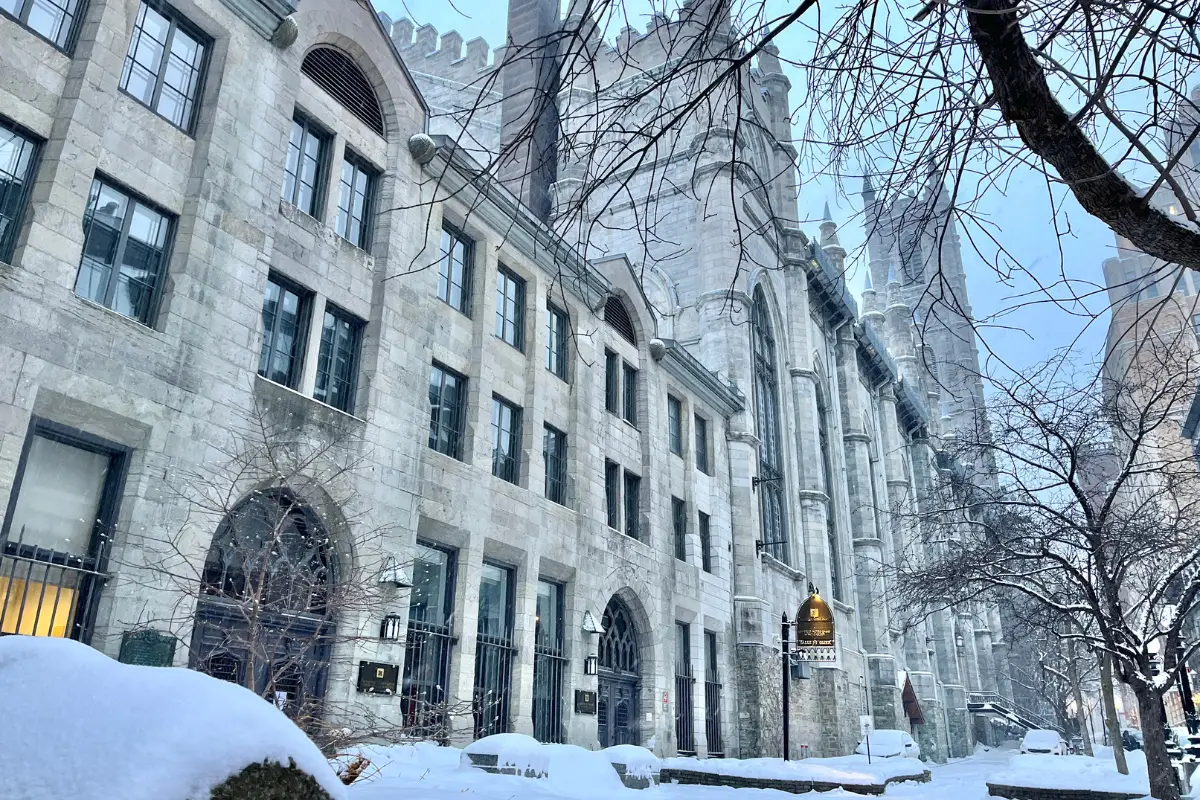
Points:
x=511 y=477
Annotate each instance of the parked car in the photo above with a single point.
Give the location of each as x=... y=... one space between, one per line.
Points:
x=1048 y=742
x=889 y=744
x=1131 y=739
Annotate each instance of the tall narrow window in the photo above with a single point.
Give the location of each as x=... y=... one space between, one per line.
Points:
x=165 y=63
x=773 y=523
x=612 y=494
x=454 y=272
x=712 y=697
x=510 y=308
x=675 y=424
x=554 y=451
x=356 y=201
x=705 y=541
x=428 y=646
x=124 y=252
x=685 y=734
x=629 y=387
x=701 y=426
x=285 y=319
x=633 y=505
x=506 y=440
x=305 y=170
x=549 y=663
x=494 y=650
x=679 y=526
x=54 y=20
x=55 y=538
x=447 y=405
x=557 y=344
x=835 y=555
x=18 y=160
x=612 y=382
x=337 y=362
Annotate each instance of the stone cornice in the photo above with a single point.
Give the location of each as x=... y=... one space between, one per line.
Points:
x=264 y=16
x=676 y=360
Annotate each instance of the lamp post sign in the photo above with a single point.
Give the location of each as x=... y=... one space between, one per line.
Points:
x=816 y=640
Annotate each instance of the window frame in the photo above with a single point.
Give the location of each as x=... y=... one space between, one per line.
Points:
x=357 y=327
x=631 y=496
x=176 y=21
x=679 y=528
x=8 y=242
x=312 y=128
x=704 y=530
x=703 y=457
x=71 y=38
x=675 y=425
x=629 y=387
x=558 y=342
x=612 y=382
x=171 y=219
x=505 y=327
x=304 y=324
x=509 y=471
x=556 y=479
x=468 y=273
x=366 y=226
x=612 y=495
x=459 y=428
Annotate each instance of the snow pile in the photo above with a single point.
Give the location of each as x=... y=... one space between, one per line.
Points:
x=843 y=769
x=639 y=762
x=575 y=769
x=1075 y=772
x=79 y=725
x=884 y=744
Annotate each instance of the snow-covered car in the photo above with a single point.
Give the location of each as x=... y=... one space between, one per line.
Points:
x=1046 y=742
x=889 y=744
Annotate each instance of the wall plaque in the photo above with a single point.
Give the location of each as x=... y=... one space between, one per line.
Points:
x=585 y=702
x=147 y=648
x=376 y=678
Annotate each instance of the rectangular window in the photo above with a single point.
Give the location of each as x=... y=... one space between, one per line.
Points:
x=629 y=386
x=675 y=424
x=165 y=64
x=54 y=20
x=54 y=540
x=337 y=361
x=612 y=382
x=685 y=735
x=679 y=525
x=506 y=440
x=702 y=528
x=612 y=494
x=124 y=252
x=18 y=162
x=554 y=451
x=447 y=410
x=701 y=426
x=510 y=309
x=712 y=697
x=494 y=650
x=549 y=663
x=633 y=505
x=285 y=324
x=305 y=170
x=429 y=643
x=557 y=344
x=356 y=201
x=454 y=272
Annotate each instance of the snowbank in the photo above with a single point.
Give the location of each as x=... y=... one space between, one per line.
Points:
x=581 y=771
x=639 y=762
x=79 y=725
x=844 y=769
x=1075 y=772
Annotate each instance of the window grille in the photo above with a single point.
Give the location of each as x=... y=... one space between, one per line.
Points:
x=685 y=735
x=494 y=649
x=618 y=317
x=428 y=646
x=712 y=698
x=341 y=78
x=549 y=663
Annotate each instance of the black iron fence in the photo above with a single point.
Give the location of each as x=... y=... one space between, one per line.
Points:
x=49 y=593
x=424 y=696
x=549 y=668
x=685 y=734
x=493 y=682
x=712 y=719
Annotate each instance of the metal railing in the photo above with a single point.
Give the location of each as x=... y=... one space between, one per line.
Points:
x=49 y=593
x=998 y=700
x=712 y=719
x=424 y=699
x=685 y=734
x=493 y=681
x=549 y=667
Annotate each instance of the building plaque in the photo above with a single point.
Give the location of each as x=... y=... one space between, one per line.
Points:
x=585 y=702
x=376 y=678
x=147 y=648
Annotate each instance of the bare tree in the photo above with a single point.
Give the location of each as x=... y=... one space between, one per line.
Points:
x=1114 y=555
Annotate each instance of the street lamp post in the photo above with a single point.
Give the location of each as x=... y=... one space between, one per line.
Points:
x=783 y=643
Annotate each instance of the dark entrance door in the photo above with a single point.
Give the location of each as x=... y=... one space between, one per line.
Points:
x=619 y=678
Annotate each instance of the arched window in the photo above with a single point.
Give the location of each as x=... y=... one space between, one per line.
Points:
x=766 y=415
x=340 y=77
x=618 y=317
x=835 y=556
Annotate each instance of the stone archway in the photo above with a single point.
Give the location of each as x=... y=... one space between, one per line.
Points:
x=619 y=677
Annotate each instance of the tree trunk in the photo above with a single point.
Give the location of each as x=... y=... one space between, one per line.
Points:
x=1163 y=783
x=1073 y=674
x=1110 y=712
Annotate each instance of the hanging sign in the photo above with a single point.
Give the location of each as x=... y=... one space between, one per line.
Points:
x=816 y=640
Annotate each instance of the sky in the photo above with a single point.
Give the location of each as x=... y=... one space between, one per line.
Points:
x=1020 y=213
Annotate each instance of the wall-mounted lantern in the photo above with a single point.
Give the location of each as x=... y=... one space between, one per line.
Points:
x=390 y=628
x=391 y=574
x=591 y=666
x=591 y=631
x=959 y=642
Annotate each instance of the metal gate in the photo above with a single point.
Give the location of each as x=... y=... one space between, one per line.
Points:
x=49 y=593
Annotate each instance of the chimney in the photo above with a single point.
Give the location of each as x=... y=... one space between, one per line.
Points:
x=529 y=110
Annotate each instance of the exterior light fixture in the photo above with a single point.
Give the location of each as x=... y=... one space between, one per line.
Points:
x=390 y=628
x=590 y=627
x=959 y=642
x=392 y=575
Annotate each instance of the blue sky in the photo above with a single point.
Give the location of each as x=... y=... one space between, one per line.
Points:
x=1019 y=215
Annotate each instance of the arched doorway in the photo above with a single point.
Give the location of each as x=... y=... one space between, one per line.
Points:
x=619 y=678
x=265 y=615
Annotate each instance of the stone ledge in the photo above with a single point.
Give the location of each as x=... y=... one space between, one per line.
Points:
x=1034 y=793
x=489 y=762
x=691 y=777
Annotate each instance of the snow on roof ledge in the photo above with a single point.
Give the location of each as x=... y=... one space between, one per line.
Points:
x=80 y=725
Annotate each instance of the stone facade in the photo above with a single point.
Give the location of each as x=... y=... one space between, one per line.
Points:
x=171 y=395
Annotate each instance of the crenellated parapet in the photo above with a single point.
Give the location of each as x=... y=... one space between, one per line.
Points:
x=444 y=56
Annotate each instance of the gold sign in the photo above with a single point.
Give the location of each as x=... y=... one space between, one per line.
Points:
x=814 y=624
